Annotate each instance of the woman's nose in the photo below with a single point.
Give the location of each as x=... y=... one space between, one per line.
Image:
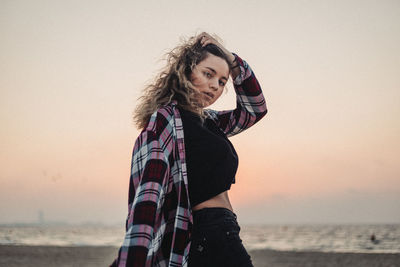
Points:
x=214 y=84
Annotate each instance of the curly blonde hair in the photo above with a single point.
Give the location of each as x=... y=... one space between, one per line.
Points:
x=173 y=82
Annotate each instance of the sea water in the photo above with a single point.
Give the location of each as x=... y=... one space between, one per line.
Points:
x=326 y=238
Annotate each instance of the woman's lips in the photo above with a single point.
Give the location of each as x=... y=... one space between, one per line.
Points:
x=209 y=95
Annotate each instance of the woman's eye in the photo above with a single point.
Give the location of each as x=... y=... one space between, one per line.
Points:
x=207 y=74
x=221 y=83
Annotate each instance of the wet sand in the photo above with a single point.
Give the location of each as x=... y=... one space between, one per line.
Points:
x=11 y=256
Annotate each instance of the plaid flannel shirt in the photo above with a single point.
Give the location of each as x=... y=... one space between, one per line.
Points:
x=159 y=221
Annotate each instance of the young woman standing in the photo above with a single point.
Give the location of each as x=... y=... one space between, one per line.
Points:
x=183 y=164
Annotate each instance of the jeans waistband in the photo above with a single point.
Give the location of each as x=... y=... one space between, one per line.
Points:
x=212 y=214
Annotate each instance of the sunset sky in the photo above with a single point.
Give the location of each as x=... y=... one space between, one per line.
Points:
x=326 y=152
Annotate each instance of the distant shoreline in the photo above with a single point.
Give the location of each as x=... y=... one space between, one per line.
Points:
x=22 y=255
x=251 y=250
x=365 y=239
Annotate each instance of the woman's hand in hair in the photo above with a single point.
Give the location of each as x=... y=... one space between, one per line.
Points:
x=206 y=39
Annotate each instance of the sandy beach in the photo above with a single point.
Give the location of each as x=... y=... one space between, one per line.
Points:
x=11 y=256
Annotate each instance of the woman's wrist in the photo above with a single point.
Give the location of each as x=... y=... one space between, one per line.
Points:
x=232 y=59
x=235 y=70
x=234 y=63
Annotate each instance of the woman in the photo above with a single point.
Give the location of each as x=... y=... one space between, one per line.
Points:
x=183 y=164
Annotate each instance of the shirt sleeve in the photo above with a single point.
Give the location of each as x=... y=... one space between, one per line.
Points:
x=250 y=103
x=150 y=169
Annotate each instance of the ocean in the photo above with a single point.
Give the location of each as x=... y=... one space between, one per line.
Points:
x=321 y=238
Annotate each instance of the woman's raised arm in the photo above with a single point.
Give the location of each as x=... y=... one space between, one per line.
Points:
x=250 y=102
x=251 y=105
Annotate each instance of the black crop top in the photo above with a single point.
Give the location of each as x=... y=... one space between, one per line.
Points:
x=211 y=159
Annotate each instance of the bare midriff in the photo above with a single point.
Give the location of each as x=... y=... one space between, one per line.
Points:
x=219 y=201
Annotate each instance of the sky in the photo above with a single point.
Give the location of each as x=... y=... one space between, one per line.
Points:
x=326 y=152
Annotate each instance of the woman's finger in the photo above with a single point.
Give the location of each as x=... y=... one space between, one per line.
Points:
x=206 y=42
x=204 y=36
x=206 y=39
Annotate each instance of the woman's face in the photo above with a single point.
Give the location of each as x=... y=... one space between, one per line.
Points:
x=209 y=77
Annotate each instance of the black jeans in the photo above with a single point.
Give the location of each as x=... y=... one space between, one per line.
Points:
x=215 y=240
